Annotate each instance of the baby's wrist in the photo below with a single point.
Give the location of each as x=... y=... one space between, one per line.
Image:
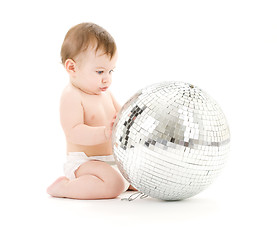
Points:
x=106 y=133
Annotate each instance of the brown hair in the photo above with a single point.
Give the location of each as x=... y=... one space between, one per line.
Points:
x=84 y=35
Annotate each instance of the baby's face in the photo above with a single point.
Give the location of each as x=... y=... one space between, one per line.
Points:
x=94 y=71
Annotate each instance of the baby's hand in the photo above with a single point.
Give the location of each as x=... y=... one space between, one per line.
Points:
x=109 y=129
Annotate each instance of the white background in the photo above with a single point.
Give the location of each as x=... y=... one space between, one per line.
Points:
x=227 y=48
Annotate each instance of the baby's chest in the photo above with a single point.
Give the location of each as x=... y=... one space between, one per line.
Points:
x=98 y=111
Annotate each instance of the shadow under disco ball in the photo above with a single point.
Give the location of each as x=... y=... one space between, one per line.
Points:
x=170 y=140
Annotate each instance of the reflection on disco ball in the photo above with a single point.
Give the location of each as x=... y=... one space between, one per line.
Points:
x=170 y=140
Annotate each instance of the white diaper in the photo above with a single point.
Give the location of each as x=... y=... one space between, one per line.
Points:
x=75 y=159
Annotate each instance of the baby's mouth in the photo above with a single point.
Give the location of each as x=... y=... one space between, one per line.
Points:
x=104 y=89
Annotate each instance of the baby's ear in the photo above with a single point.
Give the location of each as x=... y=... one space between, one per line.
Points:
x=70 y=66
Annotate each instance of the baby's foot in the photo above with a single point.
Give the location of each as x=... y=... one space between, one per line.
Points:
x=55 y=189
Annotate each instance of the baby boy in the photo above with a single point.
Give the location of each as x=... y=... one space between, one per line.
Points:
x=87 y=112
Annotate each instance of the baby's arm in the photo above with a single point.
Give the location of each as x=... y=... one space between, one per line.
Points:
x=115 y=103
x=72 y=121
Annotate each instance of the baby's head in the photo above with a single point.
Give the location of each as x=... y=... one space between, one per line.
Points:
x=89 y=55
x=84 y=35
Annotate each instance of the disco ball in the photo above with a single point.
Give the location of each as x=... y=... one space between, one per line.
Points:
x=170 y=140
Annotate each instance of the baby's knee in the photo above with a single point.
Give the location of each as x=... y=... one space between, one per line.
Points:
x=115 y=188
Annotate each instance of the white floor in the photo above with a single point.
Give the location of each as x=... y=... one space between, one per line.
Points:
x=232 y=211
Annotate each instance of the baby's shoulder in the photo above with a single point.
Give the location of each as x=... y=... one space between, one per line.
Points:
x=70 y=91
x=70 y=94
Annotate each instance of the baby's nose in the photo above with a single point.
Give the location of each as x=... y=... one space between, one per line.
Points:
x=105 y=79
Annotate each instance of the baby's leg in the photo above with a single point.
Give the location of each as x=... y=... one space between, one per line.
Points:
x=94 y=180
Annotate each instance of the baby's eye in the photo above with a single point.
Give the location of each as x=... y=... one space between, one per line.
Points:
x=110 y=71
x=100 y=72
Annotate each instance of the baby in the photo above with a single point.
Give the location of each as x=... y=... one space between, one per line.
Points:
x=87 y=112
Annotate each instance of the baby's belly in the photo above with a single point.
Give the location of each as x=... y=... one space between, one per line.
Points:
x=96 y=150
